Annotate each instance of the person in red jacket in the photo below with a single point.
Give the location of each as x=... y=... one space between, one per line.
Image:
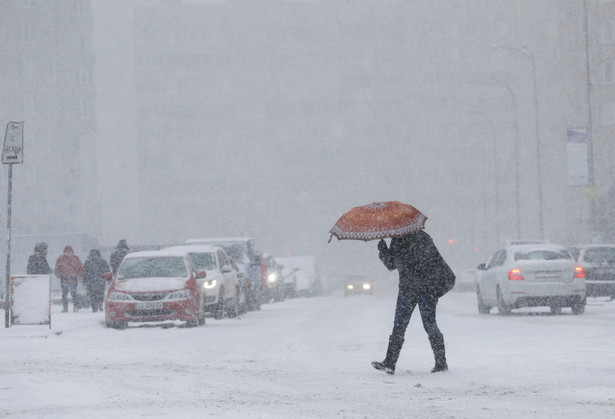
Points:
x=69 y=269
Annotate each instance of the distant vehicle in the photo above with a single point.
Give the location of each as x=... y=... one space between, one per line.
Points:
x=156 y=286
x=221 y=283
x=515 y=242
x=274 y=290
x=531 y=275
x=243 y=253
x=358 y=284
x=301 y=276
x=598 y=263
x=466 y=280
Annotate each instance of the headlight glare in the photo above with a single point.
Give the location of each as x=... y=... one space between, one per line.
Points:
x=210 y=284
x=119 y=296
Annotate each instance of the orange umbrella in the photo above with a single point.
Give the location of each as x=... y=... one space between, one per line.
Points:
x=378 y=220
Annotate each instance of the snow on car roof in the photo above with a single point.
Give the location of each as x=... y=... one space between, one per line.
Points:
x=156 y=253
x=545 y=246
x=218 y=240
x=585 y=246
x=200 y=248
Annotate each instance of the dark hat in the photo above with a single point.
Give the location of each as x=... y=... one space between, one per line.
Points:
x=122 y=244
x=40 y=247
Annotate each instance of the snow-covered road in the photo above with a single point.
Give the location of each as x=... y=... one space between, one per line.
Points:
x=310 y=358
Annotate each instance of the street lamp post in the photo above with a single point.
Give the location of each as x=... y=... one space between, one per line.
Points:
x=528 y=54
x=588 y=97
x=495 y=174
x=516 y=133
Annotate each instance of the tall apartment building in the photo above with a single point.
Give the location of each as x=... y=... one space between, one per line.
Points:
x=46 y=62
x=587 y=52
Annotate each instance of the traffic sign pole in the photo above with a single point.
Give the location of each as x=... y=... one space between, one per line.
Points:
x=12 y=153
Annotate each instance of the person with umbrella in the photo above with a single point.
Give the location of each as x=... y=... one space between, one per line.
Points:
x=424 y=276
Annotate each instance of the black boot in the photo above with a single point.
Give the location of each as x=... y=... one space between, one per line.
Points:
x=388 y=365
x=439 y=353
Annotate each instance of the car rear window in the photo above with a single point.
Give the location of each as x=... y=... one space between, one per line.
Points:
x=153 y=267
x=599 y=255
x=543 y=254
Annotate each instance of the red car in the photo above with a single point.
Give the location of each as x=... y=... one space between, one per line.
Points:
x=155 y=286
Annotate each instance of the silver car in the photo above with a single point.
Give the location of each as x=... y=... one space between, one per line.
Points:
x=531 y=275
x=598 y=263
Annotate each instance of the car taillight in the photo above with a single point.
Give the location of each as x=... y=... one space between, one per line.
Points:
x=579 y=272
x=515 y=275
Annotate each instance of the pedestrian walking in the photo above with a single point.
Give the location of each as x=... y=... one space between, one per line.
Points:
x=424 y=277
x=37 y=262
x=69 y=269
x=95 y=266
x=121 y=250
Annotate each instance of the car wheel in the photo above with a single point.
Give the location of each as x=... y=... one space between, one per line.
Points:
x=202 y=315
x=556 y=310
x=117 y=325
x=503 y=308
x=482 y=307
x=578 y=308
x=233 y=309
x=219 y=310
x=243 y=300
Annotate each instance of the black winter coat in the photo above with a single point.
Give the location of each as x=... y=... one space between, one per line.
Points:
x=37 y=265
x=95 y=266
x=117 y=257
x=419 y=263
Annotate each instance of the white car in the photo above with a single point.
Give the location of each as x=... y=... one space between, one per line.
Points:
x=221 y=282
x=531 y=275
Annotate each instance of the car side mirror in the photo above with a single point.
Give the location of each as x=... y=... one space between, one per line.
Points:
x=482 y=267
x=201 y=273
x=226 y=269
x=107 y=276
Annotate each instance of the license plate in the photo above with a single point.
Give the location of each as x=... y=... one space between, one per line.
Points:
x=548 y=274
x=149 y=305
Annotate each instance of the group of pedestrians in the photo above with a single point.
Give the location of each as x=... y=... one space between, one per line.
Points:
x=70 y=271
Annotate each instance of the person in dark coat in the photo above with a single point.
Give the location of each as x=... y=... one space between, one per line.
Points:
x=95 y=266
x=121 y=250
x=69 y=269
x=37 y=262
x=424 y=277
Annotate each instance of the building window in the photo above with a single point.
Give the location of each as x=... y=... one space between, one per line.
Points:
x=608 y=31
x=608 y=72
x=608 y=113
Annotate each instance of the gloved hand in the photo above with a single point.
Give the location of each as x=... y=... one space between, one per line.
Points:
x=382 y=245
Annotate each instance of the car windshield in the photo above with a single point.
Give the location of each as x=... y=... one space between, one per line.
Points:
x=153 y=267
x=600 y=255
x=542 y=254
x=205 y=261
x=236 y=251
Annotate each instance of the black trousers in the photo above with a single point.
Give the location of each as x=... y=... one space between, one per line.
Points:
x=68 y=284
x=407 y=300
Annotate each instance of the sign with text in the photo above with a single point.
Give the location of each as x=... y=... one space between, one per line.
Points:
x=12 y=152
x=576 y=145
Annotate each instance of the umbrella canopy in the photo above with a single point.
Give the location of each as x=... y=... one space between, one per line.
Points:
x=378 y=220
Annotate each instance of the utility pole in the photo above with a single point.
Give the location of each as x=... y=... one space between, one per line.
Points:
x=590 y=146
